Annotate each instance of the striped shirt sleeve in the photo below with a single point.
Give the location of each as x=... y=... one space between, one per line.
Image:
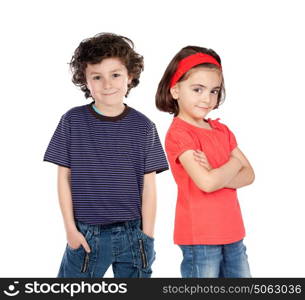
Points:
x=58 y=150
x=155 y=159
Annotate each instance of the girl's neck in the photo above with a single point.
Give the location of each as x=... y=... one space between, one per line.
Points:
x=202 y=123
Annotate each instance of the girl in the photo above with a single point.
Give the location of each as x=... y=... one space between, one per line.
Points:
x=207 y=166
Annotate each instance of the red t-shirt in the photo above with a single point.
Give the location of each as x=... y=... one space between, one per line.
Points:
x=203 y=218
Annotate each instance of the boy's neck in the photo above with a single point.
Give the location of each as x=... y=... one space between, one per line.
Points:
x=109 y=110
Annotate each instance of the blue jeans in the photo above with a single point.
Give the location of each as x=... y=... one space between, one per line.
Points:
x=210 y=261
x=122 y=245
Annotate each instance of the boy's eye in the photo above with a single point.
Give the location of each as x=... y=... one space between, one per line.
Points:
x=96 y=77
x=116 y=75
x=197 y=90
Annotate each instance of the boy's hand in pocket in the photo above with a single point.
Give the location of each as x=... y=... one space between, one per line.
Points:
x=75 y=239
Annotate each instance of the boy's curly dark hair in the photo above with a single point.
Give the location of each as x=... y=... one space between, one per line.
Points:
x=105 y=45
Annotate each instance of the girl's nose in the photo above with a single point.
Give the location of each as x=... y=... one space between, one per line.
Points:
x=206 y=98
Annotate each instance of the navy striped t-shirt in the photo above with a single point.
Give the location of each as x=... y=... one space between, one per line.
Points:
x=108 y=157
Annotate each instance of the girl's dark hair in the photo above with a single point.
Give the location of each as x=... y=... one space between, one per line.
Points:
x=164 y=100
x=105 y=45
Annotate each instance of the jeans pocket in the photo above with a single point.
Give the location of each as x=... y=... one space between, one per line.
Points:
x=143 y=254
x=146 y=236
x=146 y=250
x=85 y=231
x=74 y=250
x=79 y=257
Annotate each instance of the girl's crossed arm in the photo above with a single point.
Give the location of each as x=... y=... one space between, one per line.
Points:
x=244 y=177
x=213 y=179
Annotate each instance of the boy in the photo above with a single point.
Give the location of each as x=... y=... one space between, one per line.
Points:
x=107 y=155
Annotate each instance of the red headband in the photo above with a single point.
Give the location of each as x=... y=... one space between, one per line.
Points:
x=189 y=62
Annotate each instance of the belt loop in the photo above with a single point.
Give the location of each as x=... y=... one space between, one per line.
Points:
x=127 y=224
x=139 y=224
x=96 y=229
x=133 y=224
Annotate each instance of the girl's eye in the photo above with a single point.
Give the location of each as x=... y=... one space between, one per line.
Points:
x=96 y=77
x=216 y=92
x=116 y=75
x=197 y=90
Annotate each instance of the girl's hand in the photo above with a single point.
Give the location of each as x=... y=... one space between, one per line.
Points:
x=237 y=160
x=75 y=239
x=201 y=158
x=237 y=154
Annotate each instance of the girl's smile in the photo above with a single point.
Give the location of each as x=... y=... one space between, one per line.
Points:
x=197 y=94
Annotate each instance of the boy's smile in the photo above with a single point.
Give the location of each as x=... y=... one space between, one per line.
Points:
x=108 y=84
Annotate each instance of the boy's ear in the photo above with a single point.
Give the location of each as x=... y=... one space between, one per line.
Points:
x=129 y=79
x=175 y=92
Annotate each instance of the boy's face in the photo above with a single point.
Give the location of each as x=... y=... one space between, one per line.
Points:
x=108 y=81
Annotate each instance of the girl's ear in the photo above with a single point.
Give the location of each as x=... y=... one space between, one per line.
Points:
x=175 y=92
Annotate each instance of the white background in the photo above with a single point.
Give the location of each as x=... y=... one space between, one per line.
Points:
x=262 y=50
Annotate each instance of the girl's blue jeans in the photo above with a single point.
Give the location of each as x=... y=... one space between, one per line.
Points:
x=210 y=261
x=122 y=245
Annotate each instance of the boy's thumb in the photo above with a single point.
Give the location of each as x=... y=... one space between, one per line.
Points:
x=86 y=247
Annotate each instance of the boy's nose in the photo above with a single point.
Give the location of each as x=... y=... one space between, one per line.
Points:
x=106 y=84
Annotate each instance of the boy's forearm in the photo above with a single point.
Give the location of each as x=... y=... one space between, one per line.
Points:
x=149 y=204
x=149 y=208
x=65 y=200
x=244 y=177
x=221 y=176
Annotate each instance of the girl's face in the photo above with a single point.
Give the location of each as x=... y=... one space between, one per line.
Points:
x=108 y=81
x=197 y=95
